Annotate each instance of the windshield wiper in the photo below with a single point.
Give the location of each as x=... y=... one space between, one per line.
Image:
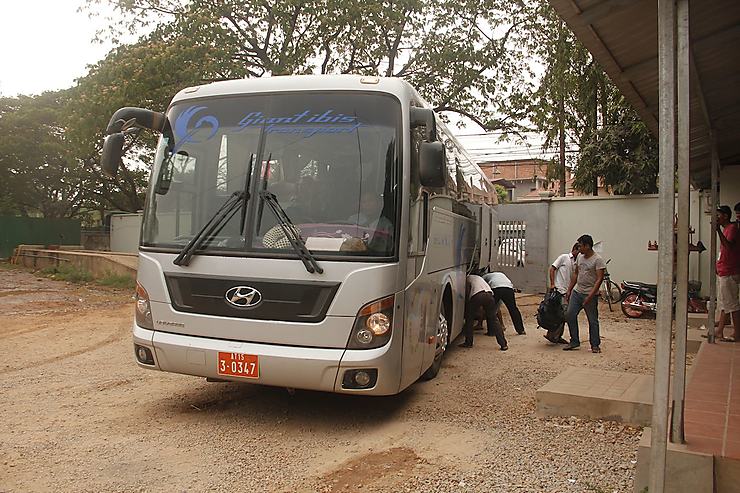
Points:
x=291 y=233
x=215 y=224
x=237 y=200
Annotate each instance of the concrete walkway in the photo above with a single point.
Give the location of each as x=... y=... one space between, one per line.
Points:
x=598 y=394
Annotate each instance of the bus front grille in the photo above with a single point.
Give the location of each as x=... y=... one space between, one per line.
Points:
x=258 y=299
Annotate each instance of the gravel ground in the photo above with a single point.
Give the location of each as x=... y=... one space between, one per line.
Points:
x=78 y=415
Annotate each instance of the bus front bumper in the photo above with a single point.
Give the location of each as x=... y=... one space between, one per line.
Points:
x=319 y=369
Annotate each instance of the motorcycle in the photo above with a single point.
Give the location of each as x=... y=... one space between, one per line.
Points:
x=639 y=298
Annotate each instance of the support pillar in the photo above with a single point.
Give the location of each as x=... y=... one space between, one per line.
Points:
x=713 y=245
x=682 y=223
x=666 y=201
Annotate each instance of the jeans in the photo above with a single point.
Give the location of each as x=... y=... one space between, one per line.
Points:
x=483 y=299
x=506 y=295
x=592 y=314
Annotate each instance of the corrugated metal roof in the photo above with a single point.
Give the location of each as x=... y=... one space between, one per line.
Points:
x=622 y=35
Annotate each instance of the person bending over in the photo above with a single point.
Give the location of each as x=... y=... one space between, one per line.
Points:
x=503 y=291
x=479 y=294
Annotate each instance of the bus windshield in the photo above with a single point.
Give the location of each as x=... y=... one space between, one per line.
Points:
x=331 y=160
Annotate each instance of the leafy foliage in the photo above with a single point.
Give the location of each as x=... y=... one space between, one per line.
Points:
x=469 y=57
x=38 y=174
x=503 y=196
x=576 y=97
x=623 y=154
x=463 y=56
x=67 y=272
x=146 y=74
x=117 y=281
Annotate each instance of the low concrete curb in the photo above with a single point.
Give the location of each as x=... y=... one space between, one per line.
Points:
x=598 y=394
x=99 y=264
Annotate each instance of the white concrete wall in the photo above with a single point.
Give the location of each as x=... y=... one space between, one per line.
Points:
x=124 y=232
x=701 y=217
x=624 y=225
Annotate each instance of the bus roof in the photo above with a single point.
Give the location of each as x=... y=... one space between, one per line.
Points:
x=398 y=87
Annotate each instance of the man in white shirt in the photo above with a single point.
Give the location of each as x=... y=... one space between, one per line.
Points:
x=561 y=273
x=479 y=294
x=503 y=291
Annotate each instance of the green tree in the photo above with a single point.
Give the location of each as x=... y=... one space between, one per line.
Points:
x=503 y=196
x=576 y=102
x=552 y=112
x=622 y=153
x=145 y=74
x=38 y=174
x=463 y=56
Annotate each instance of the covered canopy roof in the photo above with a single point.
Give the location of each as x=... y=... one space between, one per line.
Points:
x=622 y=35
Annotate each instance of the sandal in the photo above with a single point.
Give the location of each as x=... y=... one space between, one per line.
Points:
x=727 y=339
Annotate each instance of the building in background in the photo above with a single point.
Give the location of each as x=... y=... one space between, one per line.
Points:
x=526 y=179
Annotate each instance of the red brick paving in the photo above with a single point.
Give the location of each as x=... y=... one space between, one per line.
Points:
x=712 y=408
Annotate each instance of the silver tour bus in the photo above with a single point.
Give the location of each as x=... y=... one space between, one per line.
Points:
x=307 y=232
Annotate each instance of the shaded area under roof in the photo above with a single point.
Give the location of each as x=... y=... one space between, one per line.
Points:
x=504 y=183
x=622 y=35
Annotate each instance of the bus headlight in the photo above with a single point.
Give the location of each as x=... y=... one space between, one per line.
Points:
x=373 y=325
x=143 y=308
x=378 y=323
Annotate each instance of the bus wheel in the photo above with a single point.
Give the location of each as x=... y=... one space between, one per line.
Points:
x=442 y=340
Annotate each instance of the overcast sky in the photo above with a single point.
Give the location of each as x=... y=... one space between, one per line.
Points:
x=45 y=45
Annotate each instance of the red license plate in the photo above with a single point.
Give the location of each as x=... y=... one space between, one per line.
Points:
x=238 y=365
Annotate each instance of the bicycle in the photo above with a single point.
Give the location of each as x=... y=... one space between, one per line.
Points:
x=610 y=291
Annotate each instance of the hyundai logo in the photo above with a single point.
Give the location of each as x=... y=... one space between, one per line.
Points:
x=243 y=296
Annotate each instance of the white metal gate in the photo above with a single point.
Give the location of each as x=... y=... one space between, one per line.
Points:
x=522 y=244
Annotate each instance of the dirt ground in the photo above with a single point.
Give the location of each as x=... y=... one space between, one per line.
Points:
x=78 y=415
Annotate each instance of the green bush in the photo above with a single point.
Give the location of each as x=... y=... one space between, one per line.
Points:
x=5 y=264
x=67 y=272
x=117 y=281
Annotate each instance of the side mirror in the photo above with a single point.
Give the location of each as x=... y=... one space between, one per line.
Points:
x=424 y=117
x=432 y=171
x=112 y=154
x=128 y=116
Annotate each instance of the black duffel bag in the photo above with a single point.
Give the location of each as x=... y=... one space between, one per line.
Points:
x=550 y=315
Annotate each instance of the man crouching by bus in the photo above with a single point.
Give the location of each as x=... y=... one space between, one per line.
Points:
x=479 y=294
x=503 y=291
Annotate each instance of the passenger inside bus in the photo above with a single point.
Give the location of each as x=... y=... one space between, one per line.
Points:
x=328 y=184
x=370 y=216
x=305 y=207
